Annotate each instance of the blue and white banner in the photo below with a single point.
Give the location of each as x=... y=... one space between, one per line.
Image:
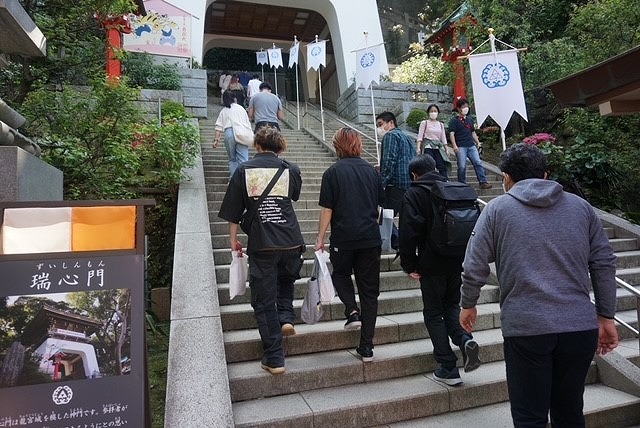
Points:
x=293 y=54
x=316 y=55
x=275 y=57
x=497 y=86
x=262 y=57
x=368 y=69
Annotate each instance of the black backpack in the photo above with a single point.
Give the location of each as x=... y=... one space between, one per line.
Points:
x=455 y=212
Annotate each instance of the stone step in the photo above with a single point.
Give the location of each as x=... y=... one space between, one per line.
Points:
x=330 y=335
x=380 y=402
x=307 y=372
x=628 y=259
x=603 y=407
x=389 y=280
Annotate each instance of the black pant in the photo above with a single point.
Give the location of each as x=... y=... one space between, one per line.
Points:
x=271 y=278
x=440 y=165
x=546 y=374
x=441 y=299
x=365 y=265
x=393 y=198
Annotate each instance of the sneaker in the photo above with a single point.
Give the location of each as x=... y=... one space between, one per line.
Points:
x=485 y=186
x=274 y=370
x=449 y=377
x=365 y=352
x=470 y=357
x=288 y=329
x=353 y=321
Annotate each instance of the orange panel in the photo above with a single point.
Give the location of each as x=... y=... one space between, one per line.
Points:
x=103 y=228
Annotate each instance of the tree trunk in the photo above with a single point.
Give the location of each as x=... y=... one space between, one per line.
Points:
x=12 y=365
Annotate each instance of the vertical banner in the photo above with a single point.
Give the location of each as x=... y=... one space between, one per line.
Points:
x=262 y=58
x=316 y=55
x=275 y=57
x=497 y=86
x=368 y=66
x=164 y=30
x=293 y=54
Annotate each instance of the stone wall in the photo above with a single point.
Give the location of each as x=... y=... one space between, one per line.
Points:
x=194 y=91
x=398 y=98
x=193 y=95
x=25 y=177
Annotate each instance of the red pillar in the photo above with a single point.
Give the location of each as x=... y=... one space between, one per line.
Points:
x=459 y=89
x=114 y=43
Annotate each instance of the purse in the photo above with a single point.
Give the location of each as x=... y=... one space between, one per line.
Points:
x=246 y=220
x=243 y=135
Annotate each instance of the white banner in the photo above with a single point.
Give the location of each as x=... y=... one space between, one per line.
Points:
x=368 y=69
x=293 y=54
x=275 y=57
x=497 y=86
x=316 y=55
x=262 y=57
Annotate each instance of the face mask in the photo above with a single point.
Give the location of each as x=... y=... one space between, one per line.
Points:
x=433 y=115
x=464 y=111
x=504 y=188
x=380 y=131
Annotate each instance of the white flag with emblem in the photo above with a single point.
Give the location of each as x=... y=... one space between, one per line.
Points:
x=275 y=57
x=497 y=86
x=316 y=55
x=368 y=62
x=293 y=54
x=262 y=57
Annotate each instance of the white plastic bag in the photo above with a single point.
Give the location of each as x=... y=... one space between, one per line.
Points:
x=324 y=276
x=311 y=310
x=386 y=230
x=238 y=274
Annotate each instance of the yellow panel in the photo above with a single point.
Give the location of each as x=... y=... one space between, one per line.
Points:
x=103 y=228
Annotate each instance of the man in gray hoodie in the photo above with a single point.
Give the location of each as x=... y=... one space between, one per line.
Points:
x=545 y=244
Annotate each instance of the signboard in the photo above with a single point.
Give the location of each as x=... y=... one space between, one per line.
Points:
x=72 y=347
x=164 y=30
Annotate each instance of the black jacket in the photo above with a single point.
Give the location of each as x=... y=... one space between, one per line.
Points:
x=416 y=217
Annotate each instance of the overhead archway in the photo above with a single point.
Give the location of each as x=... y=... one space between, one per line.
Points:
x=255 y=24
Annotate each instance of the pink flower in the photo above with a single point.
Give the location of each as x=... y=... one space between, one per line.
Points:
x=539 y=138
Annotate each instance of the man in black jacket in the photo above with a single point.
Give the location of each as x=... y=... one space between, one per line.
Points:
x=439 y=276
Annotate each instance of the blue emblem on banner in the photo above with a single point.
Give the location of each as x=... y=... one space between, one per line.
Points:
x=316 y=50
x=274 y=54
x=367 y=60
x=495 y=75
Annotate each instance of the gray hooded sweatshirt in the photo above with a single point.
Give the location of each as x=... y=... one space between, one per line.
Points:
x=545 y=243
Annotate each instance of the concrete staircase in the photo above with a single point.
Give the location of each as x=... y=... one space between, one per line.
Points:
x=326 y=384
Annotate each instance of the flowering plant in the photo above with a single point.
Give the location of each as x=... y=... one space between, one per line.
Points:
x=539 y=138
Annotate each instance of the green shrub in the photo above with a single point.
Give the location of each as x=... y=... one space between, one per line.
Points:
x=415 y=117
x=141 y=71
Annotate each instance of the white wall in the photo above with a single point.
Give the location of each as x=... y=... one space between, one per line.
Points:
x=347 y=21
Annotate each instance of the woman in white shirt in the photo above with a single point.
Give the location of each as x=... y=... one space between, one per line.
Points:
x=432 y=140
x=232 y=116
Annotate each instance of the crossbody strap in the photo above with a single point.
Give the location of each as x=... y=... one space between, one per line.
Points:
x=253 y=211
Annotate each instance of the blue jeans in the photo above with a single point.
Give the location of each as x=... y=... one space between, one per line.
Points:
x=546 y=375
x=441 y=299
x=474 y=156
x=271 y=278
x=237 y=153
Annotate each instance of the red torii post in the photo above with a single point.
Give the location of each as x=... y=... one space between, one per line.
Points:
x=454 y=41
x=115 y=26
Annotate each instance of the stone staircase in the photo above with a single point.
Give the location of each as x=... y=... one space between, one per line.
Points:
x=326 y=384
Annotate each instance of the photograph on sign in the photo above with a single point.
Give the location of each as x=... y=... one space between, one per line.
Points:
x=58 y=337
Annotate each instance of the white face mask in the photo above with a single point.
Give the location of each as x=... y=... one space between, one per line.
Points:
x=380 y=131
x=504 y=188
x=433 y=115
x=464 y=111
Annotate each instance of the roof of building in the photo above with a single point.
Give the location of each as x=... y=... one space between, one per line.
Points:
x=613 y=85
